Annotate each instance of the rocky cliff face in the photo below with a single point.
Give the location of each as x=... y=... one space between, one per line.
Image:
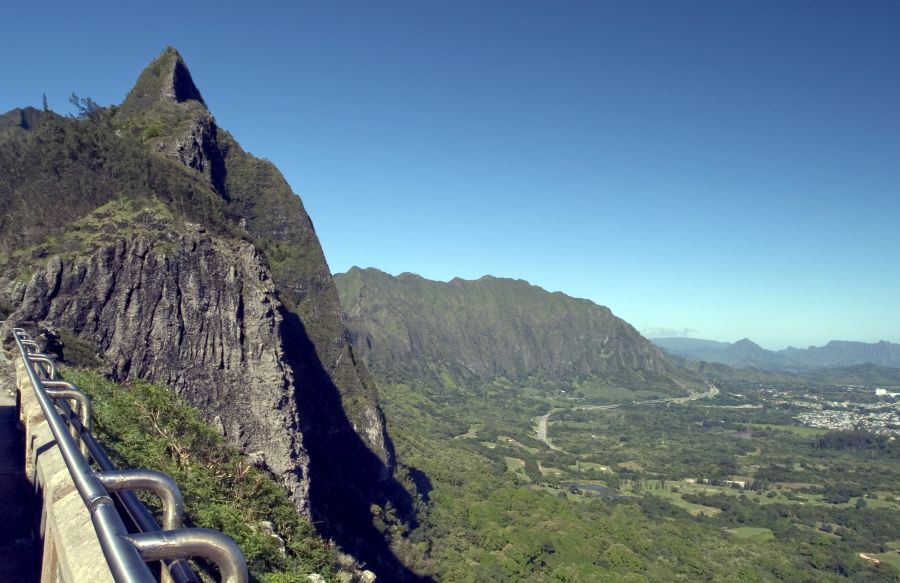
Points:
x=194 y=312
x=408 y=326
x=167 y=112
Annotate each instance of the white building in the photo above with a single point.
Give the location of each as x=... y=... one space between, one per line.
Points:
x=885 y=393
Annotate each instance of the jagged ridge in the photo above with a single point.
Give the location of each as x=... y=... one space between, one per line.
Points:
x=412 y=327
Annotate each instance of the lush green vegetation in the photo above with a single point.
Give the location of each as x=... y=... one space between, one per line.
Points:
x=409 y=327
x=145 y=425
x=64 y=169
x=712 y=490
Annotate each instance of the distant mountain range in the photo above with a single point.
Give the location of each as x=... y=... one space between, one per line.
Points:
x=745 y=353
x=407 y=326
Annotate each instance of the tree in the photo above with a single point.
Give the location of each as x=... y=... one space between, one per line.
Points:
x=87 y=107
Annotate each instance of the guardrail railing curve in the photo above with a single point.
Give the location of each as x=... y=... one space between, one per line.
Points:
x=127 y=553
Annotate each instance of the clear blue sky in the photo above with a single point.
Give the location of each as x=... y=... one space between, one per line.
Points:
x=727 y=168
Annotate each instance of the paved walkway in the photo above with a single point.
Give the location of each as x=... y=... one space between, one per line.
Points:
x=19 y=555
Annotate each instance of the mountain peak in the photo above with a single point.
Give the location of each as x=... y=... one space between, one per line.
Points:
x=746 y=348
x=166 y=79
x=21 y=119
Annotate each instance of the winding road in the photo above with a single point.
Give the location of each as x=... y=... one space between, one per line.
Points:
x=544 y=420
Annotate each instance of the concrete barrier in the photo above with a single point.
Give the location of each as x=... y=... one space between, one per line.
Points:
x=72 y=552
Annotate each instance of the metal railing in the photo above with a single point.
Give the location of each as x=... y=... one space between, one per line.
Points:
x=127 y=553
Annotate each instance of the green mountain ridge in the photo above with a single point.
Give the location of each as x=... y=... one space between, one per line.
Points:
x=408 y=327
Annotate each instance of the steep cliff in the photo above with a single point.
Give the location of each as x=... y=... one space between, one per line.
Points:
x=167 y=113
x=407 y=326
x=196 y=312
x=150 y=234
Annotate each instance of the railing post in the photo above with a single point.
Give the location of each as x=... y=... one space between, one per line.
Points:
x=193 y=542
x=158 y=483
x=32 y=344
x=45 y=358
x=84 y=409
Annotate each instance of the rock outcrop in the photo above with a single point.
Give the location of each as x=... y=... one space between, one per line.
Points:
x=202 y=318
x=166 y=110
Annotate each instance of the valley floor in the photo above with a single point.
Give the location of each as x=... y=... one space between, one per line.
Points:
x=534 y=483
x=543 y=421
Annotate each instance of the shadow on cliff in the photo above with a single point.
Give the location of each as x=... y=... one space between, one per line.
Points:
x=346 y=477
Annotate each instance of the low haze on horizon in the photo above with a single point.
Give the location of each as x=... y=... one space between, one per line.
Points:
x=712 y=169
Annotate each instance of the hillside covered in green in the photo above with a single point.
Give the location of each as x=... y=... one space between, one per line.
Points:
x=724 y=489
x=408 y=327
x=146 y=426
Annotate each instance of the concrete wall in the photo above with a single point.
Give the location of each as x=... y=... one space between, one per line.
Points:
x=72 y=552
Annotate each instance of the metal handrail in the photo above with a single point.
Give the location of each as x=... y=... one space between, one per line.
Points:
x=143 y=520
x=44 y=358
x=84 y=409
x=125 y=552
x=31 y=343
x=152 y=481
x=192 y=542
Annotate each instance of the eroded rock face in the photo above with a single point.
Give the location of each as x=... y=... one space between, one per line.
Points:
x=197 y=313
x=197 y=148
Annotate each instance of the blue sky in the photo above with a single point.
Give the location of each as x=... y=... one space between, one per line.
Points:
x=718 y=168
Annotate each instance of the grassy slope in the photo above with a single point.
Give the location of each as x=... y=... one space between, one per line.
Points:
x=145 y=425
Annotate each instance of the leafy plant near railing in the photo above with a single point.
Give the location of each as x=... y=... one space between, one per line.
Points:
x=145 y=425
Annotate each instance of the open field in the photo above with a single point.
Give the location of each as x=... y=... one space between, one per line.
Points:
x=752 y=532
x=892 y=558
x=514 y=464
